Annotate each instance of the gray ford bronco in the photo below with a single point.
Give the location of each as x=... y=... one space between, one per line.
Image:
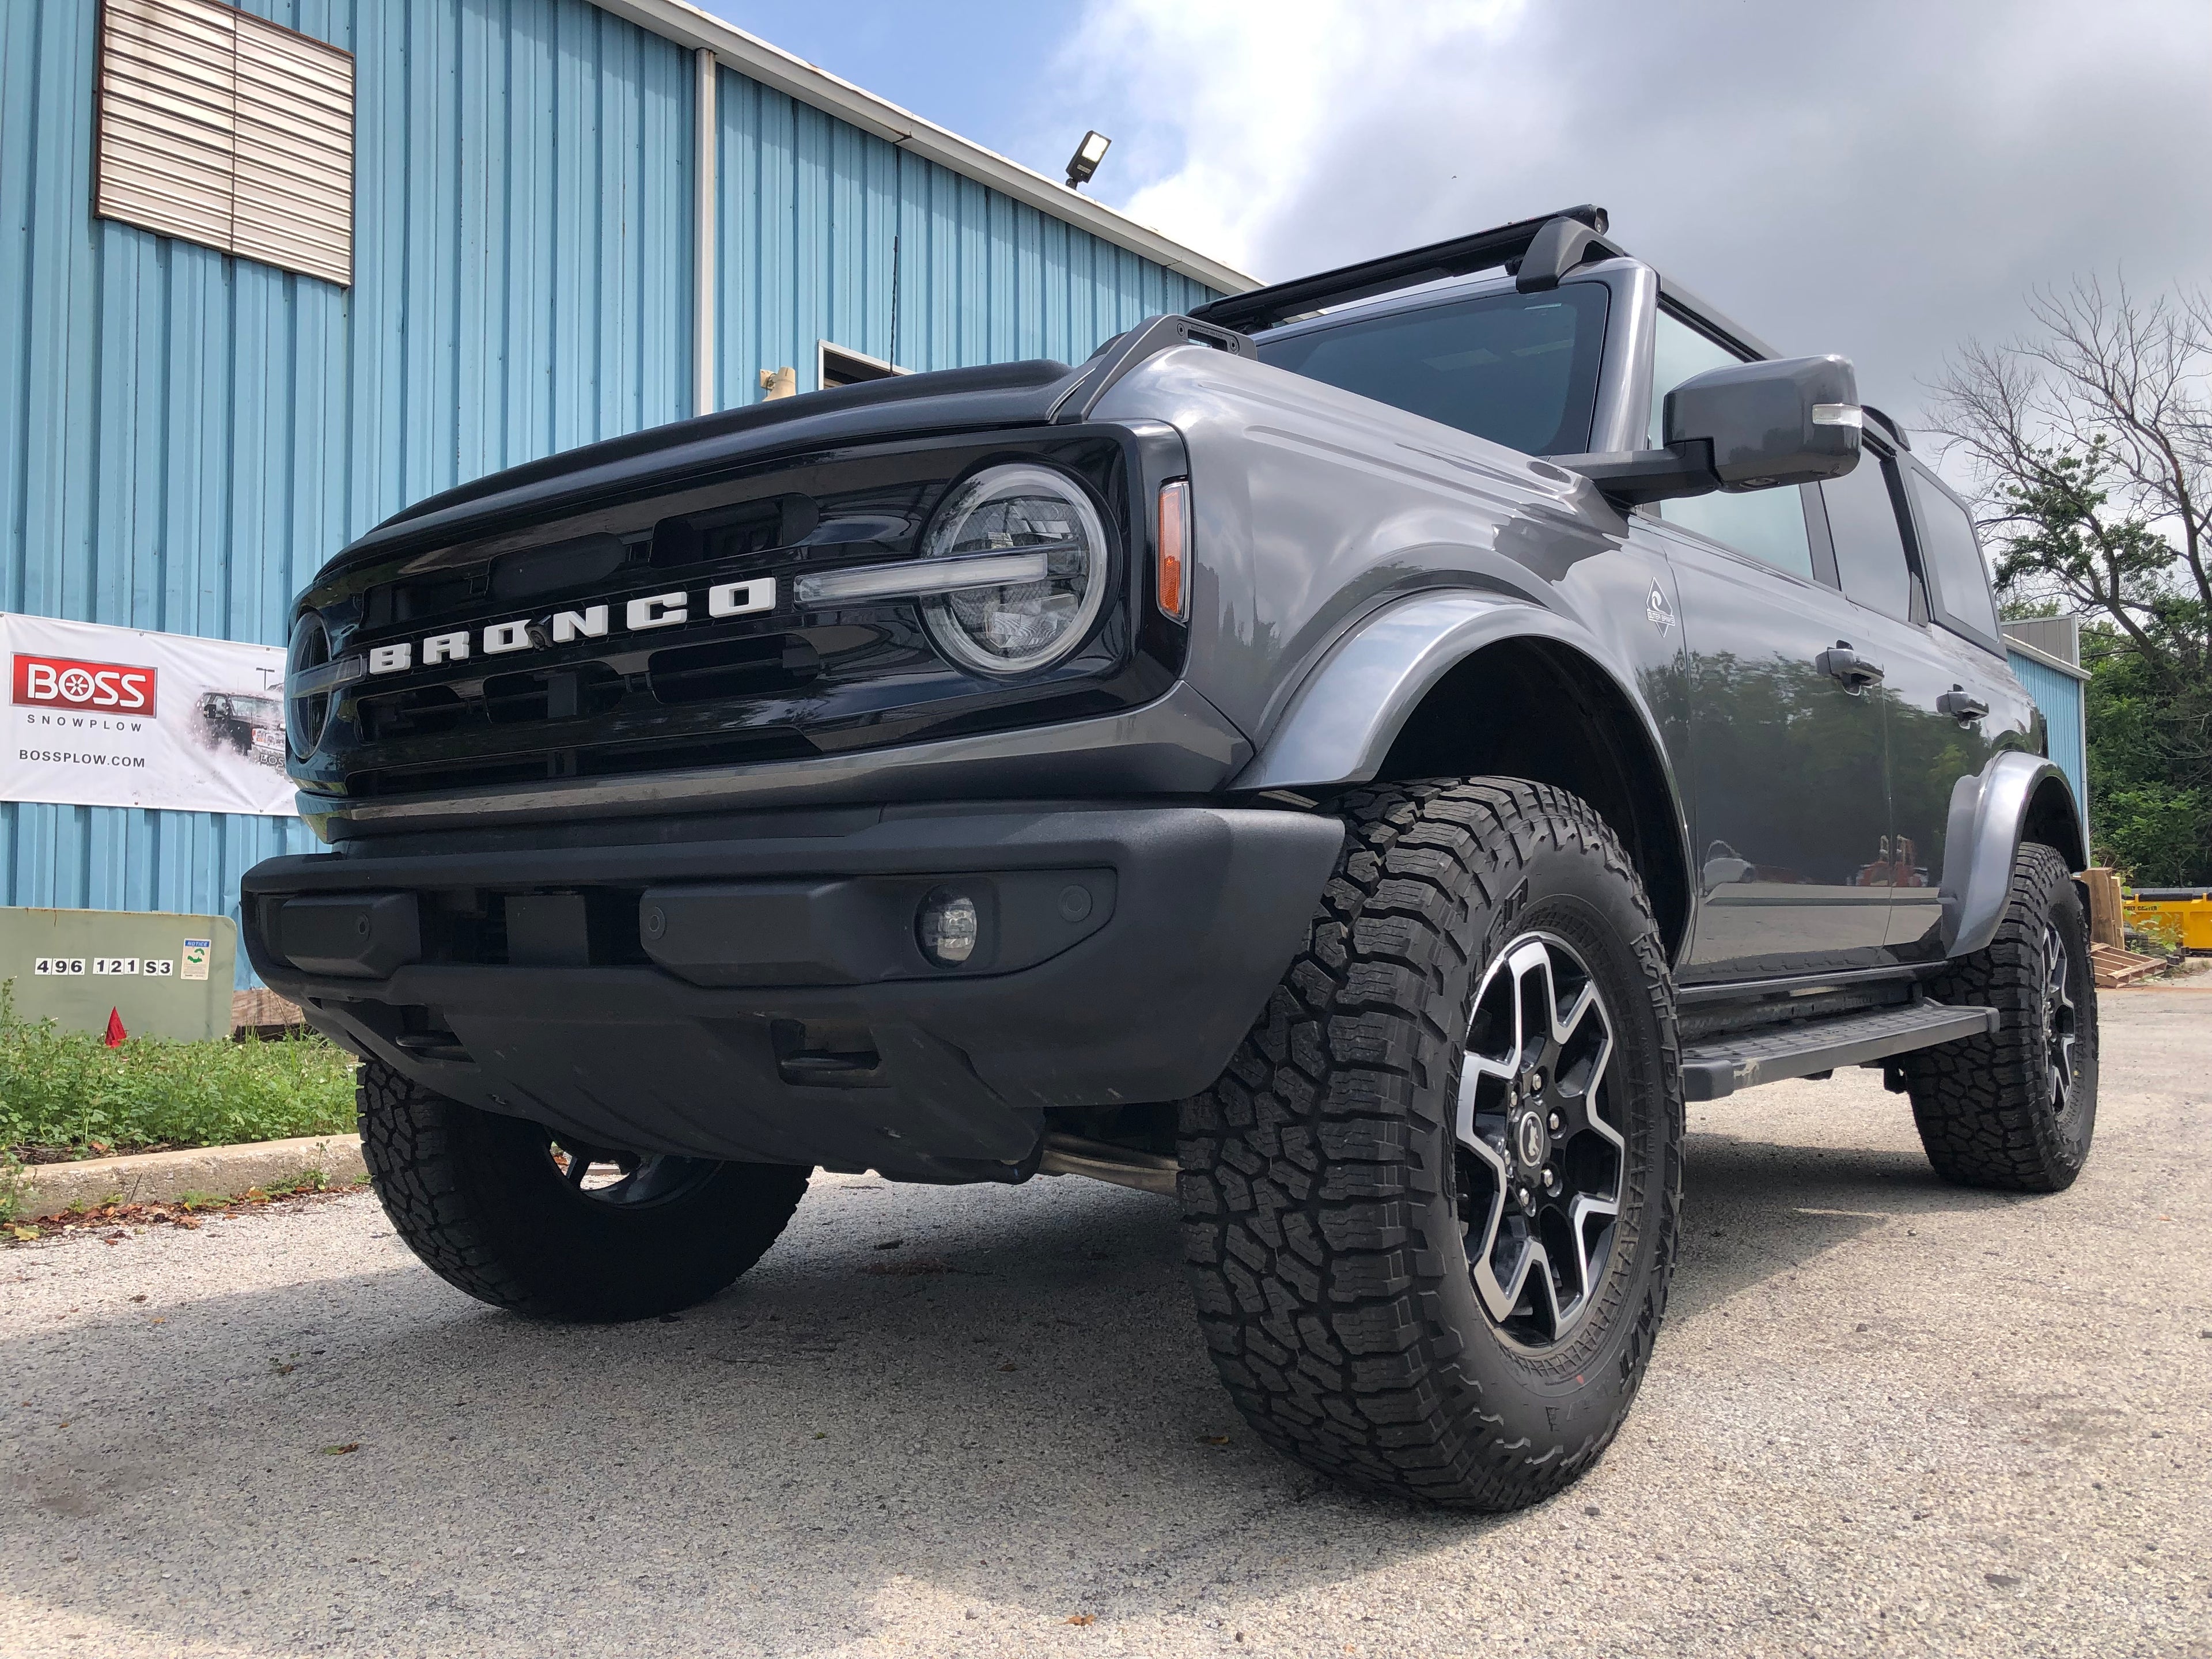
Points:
x=1354 y=759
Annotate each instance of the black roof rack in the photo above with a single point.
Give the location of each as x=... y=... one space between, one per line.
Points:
x=1539 y=251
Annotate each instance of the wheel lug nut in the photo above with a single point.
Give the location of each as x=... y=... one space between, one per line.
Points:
x=1526 y=1201
x=1556 y=1121
x=1551 y=1180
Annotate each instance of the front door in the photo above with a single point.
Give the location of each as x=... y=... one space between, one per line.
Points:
x=1791 y=812
x=1786 y=780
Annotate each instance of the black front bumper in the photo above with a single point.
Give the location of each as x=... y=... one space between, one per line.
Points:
x=751 y=987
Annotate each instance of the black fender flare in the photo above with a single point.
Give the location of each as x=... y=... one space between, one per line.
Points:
x=1339 y=726
x=1988 y=819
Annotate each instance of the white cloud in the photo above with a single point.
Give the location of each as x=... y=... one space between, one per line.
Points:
x=1251 y=95
x=1877 y=177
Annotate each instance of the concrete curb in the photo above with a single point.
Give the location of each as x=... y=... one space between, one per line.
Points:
x=158 y=1177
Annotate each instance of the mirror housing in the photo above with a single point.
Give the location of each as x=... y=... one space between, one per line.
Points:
x=1747 y=426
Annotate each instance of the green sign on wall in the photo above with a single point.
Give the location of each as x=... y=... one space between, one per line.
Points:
x=165 y=974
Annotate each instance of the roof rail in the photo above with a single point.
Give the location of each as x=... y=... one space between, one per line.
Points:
x=1539 y=251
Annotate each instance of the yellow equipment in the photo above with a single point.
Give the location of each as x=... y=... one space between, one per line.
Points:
x=2182 y=915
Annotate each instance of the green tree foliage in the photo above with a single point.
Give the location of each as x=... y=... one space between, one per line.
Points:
x=2091 y=439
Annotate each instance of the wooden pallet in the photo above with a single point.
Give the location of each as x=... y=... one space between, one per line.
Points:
x=264 y=1013
x=2114 y=967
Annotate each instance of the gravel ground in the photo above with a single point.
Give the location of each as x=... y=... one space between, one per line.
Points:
x=1884 y=1416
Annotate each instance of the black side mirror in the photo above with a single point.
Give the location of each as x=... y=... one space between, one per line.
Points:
x=1748 y=426
x=1792 y=421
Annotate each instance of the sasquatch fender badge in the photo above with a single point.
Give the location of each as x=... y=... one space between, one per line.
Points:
x=1655 y=611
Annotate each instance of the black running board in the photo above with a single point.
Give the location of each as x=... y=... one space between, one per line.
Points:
x=1720 y=1066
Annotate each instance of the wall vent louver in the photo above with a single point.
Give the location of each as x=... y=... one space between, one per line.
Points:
x=227 y=130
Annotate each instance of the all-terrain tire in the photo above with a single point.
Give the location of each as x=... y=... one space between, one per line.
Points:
x=479 y=1198
x=1986 y=1108
x=1322 y=1184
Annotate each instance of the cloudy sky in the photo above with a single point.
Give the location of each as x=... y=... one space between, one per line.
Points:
x=1865 y=176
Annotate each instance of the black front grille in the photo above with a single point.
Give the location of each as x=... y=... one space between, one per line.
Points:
x=607 y=760
x=766 y=665
x=588 y=690
x=561 y=681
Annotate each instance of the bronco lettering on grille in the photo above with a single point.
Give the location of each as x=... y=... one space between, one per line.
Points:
x=591 y=622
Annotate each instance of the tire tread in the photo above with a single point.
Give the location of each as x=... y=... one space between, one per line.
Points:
x=1316 y=1283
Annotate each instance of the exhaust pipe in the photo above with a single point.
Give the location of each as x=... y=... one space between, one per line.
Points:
x=1148 y=1172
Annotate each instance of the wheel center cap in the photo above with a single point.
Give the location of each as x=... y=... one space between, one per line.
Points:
x=1530 y=1141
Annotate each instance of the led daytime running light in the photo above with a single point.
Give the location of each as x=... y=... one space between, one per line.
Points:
x=947 y=576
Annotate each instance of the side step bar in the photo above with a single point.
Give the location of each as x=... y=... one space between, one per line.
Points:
x=1722 y=1065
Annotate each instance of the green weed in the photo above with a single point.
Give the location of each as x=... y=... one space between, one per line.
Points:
x=69 y=1090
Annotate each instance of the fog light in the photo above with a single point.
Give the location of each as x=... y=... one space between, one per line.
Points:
x=947 y=928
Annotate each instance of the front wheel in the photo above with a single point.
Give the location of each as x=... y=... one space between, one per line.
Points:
x=545 y=1225
x=1429 y=1209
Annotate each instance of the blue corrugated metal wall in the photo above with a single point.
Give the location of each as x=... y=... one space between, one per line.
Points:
x=810 y=211
x=184 y=437
x=2059 y=696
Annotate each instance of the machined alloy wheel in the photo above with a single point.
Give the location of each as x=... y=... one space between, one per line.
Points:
x=2061 y=1020
x=1539 y=1165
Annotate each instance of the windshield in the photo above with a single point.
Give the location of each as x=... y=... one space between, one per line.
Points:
x=1520 y=369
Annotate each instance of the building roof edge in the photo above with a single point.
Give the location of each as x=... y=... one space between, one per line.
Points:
x=749 y=55
x=2036 y=654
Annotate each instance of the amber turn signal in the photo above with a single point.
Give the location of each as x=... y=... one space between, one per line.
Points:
x=1175 y=550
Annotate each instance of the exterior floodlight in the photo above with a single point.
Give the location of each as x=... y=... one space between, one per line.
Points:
x=1085 y=162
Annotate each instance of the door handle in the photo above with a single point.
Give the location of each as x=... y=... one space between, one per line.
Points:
x=1961 y=705
x=1849 y=669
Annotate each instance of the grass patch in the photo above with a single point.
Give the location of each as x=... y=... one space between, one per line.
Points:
x=66 y=1094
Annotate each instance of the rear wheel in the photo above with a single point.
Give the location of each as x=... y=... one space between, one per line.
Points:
x=547 y=1225
x=1429 y=1209
x=2016 y=1110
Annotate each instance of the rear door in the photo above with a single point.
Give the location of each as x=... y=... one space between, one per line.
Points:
x=1951 y=699
x=1787 y=776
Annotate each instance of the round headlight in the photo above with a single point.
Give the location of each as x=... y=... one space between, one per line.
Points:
x=1014 y=627
x=304 y=716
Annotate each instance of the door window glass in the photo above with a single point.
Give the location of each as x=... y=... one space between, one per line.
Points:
x=1678 y=351
x=1769 y=525
x=1869 y=546
x=1952 y=558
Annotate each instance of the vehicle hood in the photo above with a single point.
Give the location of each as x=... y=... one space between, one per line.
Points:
x=695 y=451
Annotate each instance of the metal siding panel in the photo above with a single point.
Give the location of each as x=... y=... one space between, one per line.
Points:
x=812 y=226
x=663 y=253
x=846 y=273
x=944 y=291
x=737 y=112
x=1029 y=272
x=617 y=163
x=1001 y=296
x=776 y=203
x=972 y=273
x=532 y=179
x=2060 y=698
x=482 y=83
x=21 y=157
x=879 y=198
